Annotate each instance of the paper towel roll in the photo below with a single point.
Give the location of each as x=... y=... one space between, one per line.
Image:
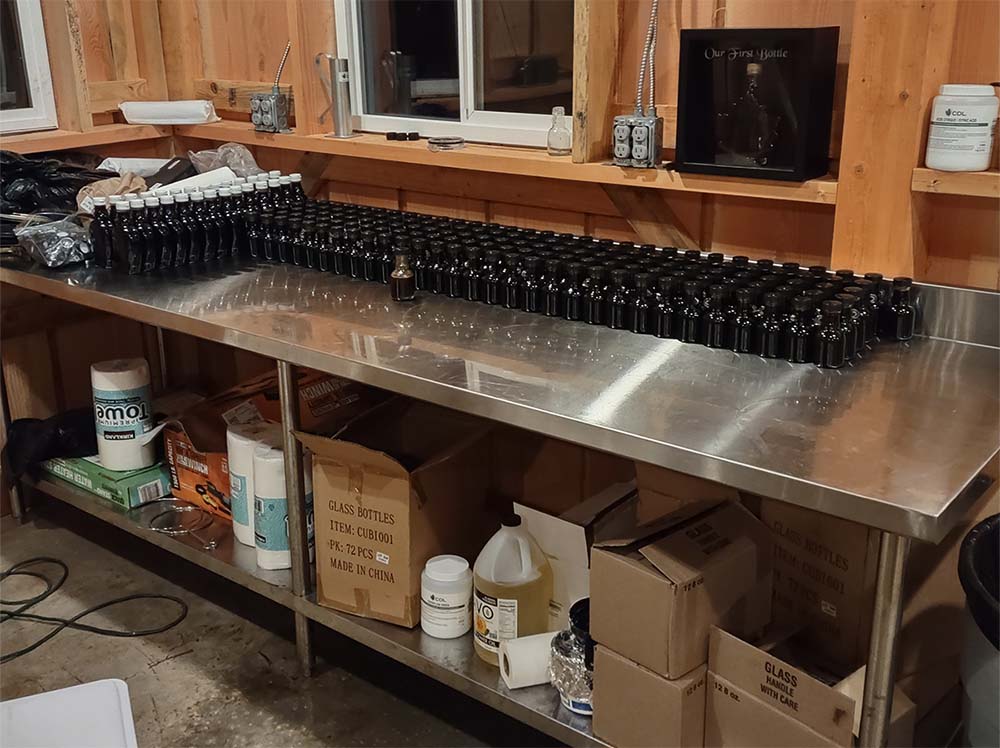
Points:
x=241 y=441
x=525 y=661
x=122 y=413
x=271 y=507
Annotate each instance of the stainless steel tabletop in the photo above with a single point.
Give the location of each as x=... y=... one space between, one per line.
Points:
x=897 y=442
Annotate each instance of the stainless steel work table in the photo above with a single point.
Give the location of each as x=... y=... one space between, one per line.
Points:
x=899 y=442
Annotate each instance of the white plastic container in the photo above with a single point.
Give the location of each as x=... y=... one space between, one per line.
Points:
x=512 y=588
x=963 y=122
x=446 y=597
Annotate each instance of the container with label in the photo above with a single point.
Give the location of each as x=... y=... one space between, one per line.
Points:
x=963 y=119
x=512 y=587
x=446 y=597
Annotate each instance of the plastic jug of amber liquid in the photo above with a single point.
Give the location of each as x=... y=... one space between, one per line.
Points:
x=512 y=587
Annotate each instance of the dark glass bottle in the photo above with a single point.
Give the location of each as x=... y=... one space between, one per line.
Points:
x=355 y=254
x=690 y=313
x=371 y=258
x=740 y=261
x=850 y=321
x=868 y=307
x=692 y=255
x=147 y=218
x=437 y=271
x=510 y=284
x=572 y=292
x=790 y=268
x=402 y=284
x=768 y=331
x=799 y=333
x=847 y=275
x=454 y=274
x=665 y=323
x=552 y=285
x=818 y=272
x=715 y=332
x=900 y=314
x=618 y=300
x=213 y=229
x=282 y=239
x=102 y=234
x=244 y=211
x=421 y=264
x=493 y=278
x=295 y=235
x=882 y=290
x=532 y=290
x=127 y=244
x=741 y=335
x=168 y=232
x=643 y=303
x=765 y=266
x=227 y=231
x=830 y=346
x=715 y=258
x=386 y=255
x=472 y=274
x=595 y=291
x=296 y=193
x=182 y=228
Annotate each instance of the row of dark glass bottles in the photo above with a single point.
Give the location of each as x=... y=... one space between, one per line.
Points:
x=776 y=311
x=143 y=234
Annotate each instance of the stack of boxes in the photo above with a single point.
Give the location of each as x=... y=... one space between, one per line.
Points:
x=655 y=596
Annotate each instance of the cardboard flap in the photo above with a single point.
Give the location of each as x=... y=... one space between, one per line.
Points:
x=782 y=686
x=590 y=510
x=347 y=453
x=854 y=687
x=648 y=532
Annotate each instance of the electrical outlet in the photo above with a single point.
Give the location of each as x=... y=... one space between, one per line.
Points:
x=269 y=111
x=638 y=141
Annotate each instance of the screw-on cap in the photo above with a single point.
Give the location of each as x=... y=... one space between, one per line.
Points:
x=152 y=202
x=210 y=194
x=182 y=197
x=284 y=180
x=295 y=177
x=511 y=520
x=260 y=186
x=123 y=207
x=167 y=200
x=273 y=174
x=447 y=568
x=136 y=203
x=197 y=196
x=224 y=192
x=245 y=187
x=273 y=182
x=100 y=201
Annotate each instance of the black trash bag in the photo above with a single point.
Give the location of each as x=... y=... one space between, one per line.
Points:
x=31 y=440
x=978 y=565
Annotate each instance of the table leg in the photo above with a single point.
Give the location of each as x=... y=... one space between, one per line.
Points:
x=298 y=542
x=880 y=675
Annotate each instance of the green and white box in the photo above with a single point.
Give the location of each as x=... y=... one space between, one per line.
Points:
x=127 y=488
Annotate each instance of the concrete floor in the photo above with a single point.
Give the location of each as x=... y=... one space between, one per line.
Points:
x=226 y=676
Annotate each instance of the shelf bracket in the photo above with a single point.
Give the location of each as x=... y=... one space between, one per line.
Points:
x=650 y=216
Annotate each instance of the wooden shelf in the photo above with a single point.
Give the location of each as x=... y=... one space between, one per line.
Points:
x=62 y=140
x=518 y=161
x=971 y=183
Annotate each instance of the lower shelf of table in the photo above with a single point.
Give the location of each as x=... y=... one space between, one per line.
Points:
x=449 y=661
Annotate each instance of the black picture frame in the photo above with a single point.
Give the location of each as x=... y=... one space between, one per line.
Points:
x=811 y=79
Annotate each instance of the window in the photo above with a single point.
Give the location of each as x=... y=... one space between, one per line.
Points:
x=26 y=101
x=487 y=70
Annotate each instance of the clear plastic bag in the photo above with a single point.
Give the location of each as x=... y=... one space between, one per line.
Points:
x=233 y=155
x=55 y=243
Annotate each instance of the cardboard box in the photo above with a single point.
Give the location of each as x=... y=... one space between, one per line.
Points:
x=550 y=474
x=566 y=541
x=636 y=708
x=756 y=698
x=195 y=441
x=402 y=483
x=662 y=491
x=824 y=579
x=126 y=488
x=655 y=594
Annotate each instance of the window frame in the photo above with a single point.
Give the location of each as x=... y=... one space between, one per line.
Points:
x=476 y=125
x=41 y=115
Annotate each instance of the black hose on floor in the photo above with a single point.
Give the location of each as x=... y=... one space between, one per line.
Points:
x=20 y=612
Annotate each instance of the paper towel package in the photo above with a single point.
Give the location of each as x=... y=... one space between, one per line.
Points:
x=123 y=414
x=242 y=440
x=195 y=441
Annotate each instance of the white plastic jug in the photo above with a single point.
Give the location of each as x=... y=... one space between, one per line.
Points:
x=512 y=583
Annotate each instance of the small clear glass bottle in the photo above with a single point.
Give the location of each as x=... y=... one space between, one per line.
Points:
x=559 y=138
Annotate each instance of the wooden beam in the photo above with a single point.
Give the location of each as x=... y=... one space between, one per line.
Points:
x=181 y=35
x=311 y=31
x=651 y=217
x=970 y=183
x=595 y=59
x=121 y=29
x=105 y=96
x=149 y=48
x=61 y=19
x=899 y=56
x=232 y=95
